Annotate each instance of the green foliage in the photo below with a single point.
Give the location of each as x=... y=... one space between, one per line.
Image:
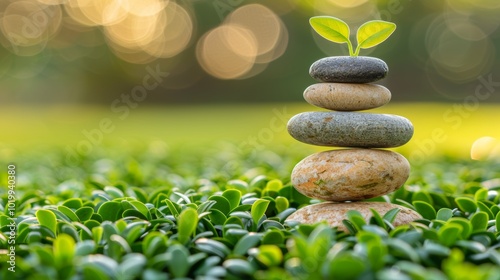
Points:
x=188 y=220
x=369 y=35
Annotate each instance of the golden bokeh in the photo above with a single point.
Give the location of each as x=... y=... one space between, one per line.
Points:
x=456 y=54
x=252 y=36
x=133 y=31
x=348 y=3
x=144 y=8
x=28 y=25
x=136 y=31
x=266 y=27
x=485 y=148
x=102 y=12
x=227 y=52
x=353 y=12
x=141 y=37
x=172 y=34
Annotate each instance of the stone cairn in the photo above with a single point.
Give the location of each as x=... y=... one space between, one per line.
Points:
x=343 y=177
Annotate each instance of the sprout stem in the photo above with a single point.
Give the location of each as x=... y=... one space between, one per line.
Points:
x=351 y=53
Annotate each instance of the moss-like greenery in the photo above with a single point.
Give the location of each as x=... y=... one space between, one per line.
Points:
x=145 y=213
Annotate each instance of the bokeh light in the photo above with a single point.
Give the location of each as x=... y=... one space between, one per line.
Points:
x=348 y=3
x=28 y=25
x=485 y=148
x=456 y=58
x=136 y=31
x=227 y=52
x=249 y=39
x=352 y=11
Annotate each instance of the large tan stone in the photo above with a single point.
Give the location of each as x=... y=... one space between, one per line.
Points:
x=333 y=213
x=347 y=97
x=350 y=174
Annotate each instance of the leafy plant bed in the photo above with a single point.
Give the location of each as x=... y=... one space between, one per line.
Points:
x=154 y=213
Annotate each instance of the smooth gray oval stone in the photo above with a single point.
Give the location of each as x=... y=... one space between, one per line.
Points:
x=349 y=69
x=350 y=129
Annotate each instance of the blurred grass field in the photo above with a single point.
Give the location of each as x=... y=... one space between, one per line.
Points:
x=439 y=128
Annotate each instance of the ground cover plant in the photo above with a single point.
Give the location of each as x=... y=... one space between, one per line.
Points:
x=216 y=213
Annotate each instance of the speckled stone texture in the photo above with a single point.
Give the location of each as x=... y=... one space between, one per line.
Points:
x=350 y=129
x=349 y=69
x=350 y=174
x=347 y=97
x=333 y=213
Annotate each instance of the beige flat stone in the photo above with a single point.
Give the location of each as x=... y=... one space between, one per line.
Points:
x=347 y=97
x=350 y=174
x=333 y=213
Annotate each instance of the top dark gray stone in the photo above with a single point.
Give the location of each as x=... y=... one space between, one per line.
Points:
x=349 y=69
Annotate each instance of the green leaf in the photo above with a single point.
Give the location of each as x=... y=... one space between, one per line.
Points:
x=233 y=196
x=117 y=247
x=425 y=209
x=178 y=260
x=69 y=213
x=373 y=33
x=422 y=196
x=212 y=247
x=449 y=234
x=270 y=255
x=187 y=223
x=132 y=265
x=114 y=192
x=273 y=237
x=346 y=266
x=248 y=241
x=281 y=203
x=376 y=252
x=399 y=248
x=481 y=194
x=274 y=185
x=444 y=214
x=222 y=204
x=479 y=221
x=134 y=230
x=484 y=208
x=465 y=224
x=217 y=217
x=173 y=207
x=497 y=221
x=258 y=209
x=84 y=213
x=466 y=204
x=110 y=211
x=64 y=249
x=74 y=203
x=239 y=267
x=47 y=219
x=391 y=215
x=332 y=29
x=378 y=219
x=233 y=235
x=154 y=243
x=356 y=219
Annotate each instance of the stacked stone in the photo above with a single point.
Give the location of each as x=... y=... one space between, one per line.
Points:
x=345 y=176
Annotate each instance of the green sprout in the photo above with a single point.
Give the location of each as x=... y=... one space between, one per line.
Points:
x=369 y=34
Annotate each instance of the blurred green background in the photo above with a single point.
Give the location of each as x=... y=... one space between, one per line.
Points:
x=82 y=73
